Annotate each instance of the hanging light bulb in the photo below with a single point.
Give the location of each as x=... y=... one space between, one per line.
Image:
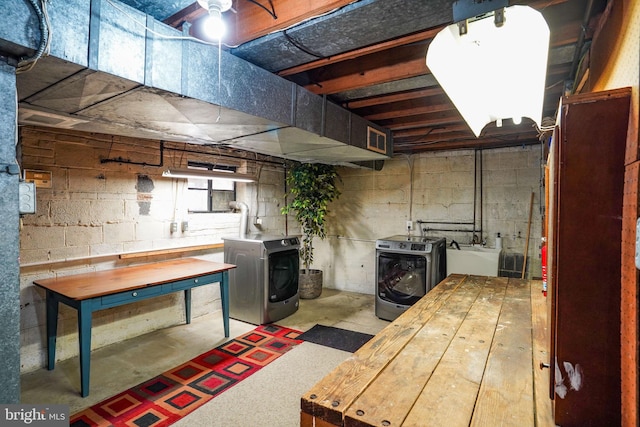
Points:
x=213 y=25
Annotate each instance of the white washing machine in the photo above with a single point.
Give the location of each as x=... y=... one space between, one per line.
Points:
x=264 y=286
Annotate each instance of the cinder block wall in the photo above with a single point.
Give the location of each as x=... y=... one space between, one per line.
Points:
x=433 y=187
x=96 y=211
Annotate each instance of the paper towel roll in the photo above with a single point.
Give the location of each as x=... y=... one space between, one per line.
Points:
x=498 y=242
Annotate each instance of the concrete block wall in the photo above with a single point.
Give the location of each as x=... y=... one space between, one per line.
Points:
x=96 y=211
x=432 y=187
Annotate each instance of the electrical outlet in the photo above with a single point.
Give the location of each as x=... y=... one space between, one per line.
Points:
x=185 y=226
x=26 y=197
x=409 y=225
x=173 y=227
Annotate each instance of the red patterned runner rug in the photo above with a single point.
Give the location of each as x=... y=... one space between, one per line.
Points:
x=172 y=395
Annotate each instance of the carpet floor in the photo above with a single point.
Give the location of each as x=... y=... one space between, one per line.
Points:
x=167 y=398
x=271 y=397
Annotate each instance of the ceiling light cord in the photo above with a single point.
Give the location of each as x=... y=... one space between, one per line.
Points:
x=271 y=12
x=157 y=34
x=300 y=46
x=219 y=81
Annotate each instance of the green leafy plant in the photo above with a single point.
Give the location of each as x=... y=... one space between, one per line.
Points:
x=313 y=187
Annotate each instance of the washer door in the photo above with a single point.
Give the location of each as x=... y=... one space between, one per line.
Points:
x=284 y=270
x=401 y=277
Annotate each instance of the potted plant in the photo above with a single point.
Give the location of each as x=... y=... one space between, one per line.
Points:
x=313 y=186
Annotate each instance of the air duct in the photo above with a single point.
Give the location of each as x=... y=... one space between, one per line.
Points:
x=244 y=210
x=161 y=87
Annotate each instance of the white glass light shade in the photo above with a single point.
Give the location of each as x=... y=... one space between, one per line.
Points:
x=494 y=73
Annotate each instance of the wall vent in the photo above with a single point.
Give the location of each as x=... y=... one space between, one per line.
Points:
x=376 y=140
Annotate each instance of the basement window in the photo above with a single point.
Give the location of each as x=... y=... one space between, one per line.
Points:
x=210 y=195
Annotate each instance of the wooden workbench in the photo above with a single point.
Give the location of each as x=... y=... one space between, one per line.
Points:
x=468 y=353
x=98 y=290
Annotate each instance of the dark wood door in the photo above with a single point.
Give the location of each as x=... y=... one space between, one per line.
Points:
x=586 y=258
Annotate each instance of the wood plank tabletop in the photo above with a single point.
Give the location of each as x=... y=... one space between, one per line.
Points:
x=462 y=355
x=106 y=282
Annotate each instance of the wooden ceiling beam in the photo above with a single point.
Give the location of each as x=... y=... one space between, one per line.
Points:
x=251 y=21
x=415 y=132
x=394 y=97
x=484 y=143
x=569 y=35
x=413 y=111
x=511 y=132
x=357 y=53
x=368 y=77
x=188 y=14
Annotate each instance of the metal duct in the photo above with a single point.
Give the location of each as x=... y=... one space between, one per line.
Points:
x=109 y=74
x=244 y=210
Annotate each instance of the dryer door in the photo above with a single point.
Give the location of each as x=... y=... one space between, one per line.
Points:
x=402 y=277
x=284 y=270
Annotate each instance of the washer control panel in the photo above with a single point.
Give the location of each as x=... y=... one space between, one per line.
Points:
x=285 y=242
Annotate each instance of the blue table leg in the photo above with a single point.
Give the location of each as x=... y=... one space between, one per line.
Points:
x=84 y=336
x=52 y=329
x=224 y=296
x=187 y=305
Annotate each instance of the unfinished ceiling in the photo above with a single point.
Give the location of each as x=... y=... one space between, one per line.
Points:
x=366 y=56
x=369 y=56
x=115 y=70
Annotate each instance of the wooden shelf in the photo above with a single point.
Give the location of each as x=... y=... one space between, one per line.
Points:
x=171 y=251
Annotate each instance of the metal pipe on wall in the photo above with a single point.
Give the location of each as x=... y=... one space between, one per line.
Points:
x=481 y=199
x=475 y=187
x=244 y=210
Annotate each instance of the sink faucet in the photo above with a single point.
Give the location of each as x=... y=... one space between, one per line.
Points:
x=454 y=244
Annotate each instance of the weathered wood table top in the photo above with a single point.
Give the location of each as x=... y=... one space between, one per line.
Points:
x=106 y=282
x=468 y=353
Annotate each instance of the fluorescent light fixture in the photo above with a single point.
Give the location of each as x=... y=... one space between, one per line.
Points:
x=213 y=25
x=494 y=71
x=207 y=174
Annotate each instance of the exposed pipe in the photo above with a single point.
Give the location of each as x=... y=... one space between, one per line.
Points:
x=131 y=162
x=457 y=230
x=244 y=210
x=481 y=199
x=475 y=190
x=444 y=222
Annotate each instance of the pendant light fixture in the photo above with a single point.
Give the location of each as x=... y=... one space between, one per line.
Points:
x=492 y=69
x=214 y=25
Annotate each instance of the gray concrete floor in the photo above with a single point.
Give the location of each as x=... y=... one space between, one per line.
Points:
x=123 y=365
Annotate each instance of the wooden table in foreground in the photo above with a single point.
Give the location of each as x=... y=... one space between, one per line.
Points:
x=467 y=354
x=98 y=290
